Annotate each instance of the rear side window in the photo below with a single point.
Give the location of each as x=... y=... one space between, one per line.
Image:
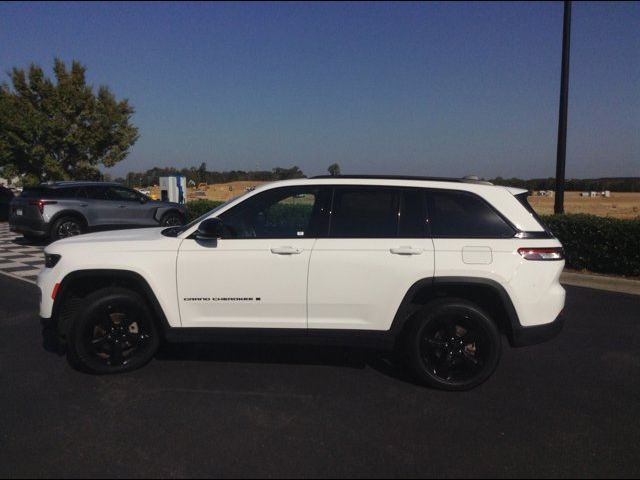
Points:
x=97 y=192
x=36 y=192
x=365 y=212
x=456 y=214
x=44 y=192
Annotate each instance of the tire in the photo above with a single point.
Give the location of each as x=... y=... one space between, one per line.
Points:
x=452 y=344
x=171 y=219
x=66 y=227
x=113 y=332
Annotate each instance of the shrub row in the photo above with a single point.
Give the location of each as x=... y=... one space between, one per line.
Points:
x=598 y=244
x=197 y=208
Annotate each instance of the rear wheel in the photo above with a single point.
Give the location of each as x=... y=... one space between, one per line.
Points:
x=113 y=332
x=66 y=227
x=453 y=345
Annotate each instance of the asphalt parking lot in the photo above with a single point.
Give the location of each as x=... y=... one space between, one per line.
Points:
x=565 y=408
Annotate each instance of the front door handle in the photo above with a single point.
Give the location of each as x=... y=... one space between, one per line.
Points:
x=286 y=250
x=122 y=206
x=404 y=250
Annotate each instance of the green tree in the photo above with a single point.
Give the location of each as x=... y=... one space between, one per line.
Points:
x=61 y=130
x=334 y=170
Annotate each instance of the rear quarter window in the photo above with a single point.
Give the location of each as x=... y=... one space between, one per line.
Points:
x=458 y=214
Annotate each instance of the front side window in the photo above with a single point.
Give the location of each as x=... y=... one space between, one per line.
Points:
x=292 y=212
x=457 y=214
x=365 y=212
x=123 y=194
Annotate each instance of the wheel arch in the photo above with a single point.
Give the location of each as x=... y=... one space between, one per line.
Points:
x=77 y=285
x=162 y=211
x=486 y=293
x=68 y=213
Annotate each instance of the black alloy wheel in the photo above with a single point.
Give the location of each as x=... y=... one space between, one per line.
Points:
x=453 y=345
x=66 y=227
x=171 y=220
x=114 y=332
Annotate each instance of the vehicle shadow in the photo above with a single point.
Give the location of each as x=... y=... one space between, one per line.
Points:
x=30 y=242
x=387 y=363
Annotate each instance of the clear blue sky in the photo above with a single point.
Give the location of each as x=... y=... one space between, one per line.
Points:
x=417 y=88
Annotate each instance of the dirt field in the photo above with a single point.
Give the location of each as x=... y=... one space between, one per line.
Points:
x=619 y=205
x=217 y=192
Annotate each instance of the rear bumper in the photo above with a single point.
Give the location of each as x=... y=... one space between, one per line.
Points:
x=29 y=226
x=523 y=336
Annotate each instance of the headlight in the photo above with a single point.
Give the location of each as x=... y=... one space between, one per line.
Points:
x=51 y=259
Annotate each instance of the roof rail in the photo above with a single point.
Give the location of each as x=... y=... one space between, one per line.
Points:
x=467 y=179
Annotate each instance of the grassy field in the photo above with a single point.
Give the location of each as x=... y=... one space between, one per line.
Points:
x=619 y=205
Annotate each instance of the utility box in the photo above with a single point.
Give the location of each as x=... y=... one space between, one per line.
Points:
x=173 y=189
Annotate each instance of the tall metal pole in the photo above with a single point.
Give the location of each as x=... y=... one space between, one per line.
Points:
x=562 y=117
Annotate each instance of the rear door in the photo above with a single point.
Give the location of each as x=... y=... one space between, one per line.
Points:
x=376 y=248
x=101 y=211
x=130 y=208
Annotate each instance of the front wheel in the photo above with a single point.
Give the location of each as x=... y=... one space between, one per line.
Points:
x=171 y=220
x=113 y=332
x=452 y=344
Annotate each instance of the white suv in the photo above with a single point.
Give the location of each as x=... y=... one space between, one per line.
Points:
x=438 y=267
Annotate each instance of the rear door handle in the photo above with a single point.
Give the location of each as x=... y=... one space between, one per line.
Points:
x=286 y=250
x=404 y=250
x=122 y=206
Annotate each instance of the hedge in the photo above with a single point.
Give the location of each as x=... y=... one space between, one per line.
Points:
x=598 y=244
x=197 y=208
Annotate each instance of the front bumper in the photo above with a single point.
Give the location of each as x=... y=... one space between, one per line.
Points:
x=523 y=336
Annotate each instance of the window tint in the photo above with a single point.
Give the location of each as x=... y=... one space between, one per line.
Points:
x=97 y=193
x=364 y=212
x=413 y=215
x=69 y=192
x=123 y=194
x=278 y=213
x=464 y=215
x=44 y=192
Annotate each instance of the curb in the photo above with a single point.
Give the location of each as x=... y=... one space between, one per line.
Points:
x=600 y=282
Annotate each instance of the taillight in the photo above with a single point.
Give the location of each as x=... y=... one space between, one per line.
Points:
x=54 y=293
x=555 y=253
x=41 y=203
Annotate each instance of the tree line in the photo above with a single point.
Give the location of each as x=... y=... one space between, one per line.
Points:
x=614 y=184
x=202 y=175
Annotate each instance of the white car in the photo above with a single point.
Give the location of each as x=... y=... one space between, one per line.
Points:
x=440 y=268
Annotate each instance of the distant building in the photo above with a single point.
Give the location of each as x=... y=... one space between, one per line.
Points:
x=593 y=194
x=584 y=194
x=606 y=193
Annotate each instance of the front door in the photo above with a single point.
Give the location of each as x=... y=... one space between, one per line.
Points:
x=256 y=275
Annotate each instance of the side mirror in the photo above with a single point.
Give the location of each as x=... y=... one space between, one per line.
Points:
x=210 y=229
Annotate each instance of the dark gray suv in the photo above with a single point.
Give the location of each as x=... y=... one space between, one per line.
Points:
x=63 y=209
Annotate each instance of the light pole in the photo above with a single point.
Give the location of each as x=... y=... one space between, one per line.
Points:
x=562 y=117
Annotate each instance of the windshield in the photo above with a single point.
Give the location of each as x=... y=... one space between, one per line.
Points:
x=175 y=231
